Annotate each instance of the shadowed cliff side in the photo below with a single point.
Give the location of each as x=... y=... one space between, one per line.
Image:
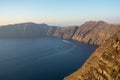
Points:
x=24 y=30
x=103 y=64
x=65 y=32
x=51 y=30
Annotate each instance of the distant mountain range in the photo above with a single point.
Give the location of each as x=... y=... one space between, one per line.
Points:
x=91 y=32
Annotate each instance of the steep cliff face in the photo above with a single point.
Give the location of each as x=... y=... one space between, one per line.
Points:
x=24 y=30
x=103 y=64
x=93 y=32
x=51 y=30
x=65 y=32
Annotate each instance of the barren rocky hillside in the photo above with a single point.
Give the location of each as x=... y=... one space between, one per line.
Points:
x=93 y=32
x=103 y=64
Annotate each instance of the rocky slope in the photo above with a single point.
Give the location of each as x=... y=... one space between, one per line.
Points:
x=103 y=64
x=65 y=32
x=93 y=32
x=51 y=31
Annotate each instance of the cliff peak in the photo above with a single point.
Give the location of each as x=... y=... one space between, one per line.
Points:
x=87 y=22
x=101 y=21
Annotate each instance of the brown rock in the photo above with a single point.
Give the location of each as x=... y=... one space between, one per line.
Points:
x=103 y=64
x=93 y=32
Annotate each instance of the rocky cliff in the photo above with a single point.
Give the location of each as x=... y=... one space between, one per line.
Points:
x=103 y=64
x=51 y=30
x=65 y=32
x=24 y=30
x=93 y=32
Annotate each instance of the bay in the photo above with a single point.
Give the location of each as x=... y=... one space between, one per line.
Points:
x=41 y=58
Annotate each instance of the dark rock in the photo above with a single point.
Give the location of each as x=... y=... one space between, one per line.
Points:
x=51 y=30
x=65 y=32
x=23 y=30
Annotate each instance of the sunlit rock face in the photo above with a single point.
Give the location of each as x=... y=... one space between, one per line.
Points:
x=103 y=64
x=93 y=32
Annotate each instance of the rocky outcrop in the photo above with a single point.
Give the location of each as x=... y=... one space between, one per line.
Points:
x=103 y=64
x=93 y=32
x=65 y=32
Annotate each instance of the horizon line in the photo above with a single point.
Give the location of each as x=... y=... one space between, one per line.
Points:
x=53 y=24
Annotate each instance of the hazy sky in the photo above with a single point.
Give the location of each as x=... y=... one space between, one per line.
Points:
x=59 y=12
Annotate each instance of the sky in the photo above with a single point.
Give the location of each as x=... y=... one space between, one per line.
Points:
x=59 y=12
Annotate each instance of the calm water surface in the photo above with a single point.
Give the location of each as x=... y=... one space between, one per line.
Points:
x=41 y=58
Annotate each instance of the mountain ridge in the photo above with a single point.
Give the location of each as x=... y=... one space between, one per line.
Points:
x=91 y=32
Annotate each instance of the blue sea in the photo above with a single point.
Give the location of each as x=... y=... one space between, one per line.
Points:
x=41 y=58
